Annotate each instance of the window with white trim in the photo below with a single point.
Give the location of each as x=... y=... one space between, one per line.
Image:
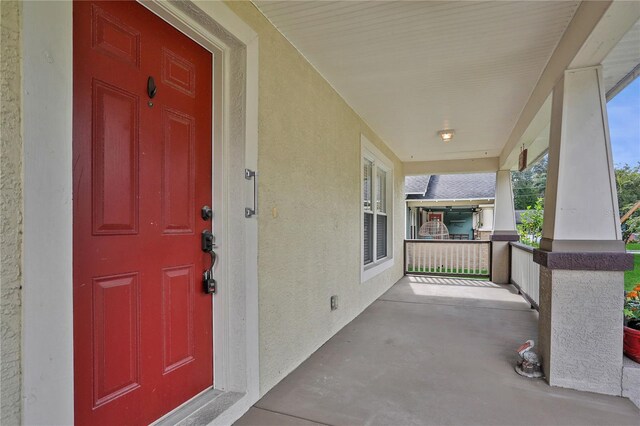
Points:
x=377 y=176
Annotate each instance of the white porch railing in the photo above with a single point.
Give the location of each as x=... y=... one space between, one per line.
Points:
x=447 y=257
x=525 y=273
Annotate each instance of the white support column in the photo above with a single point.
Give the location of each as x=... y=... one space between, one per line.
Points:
x=414 y=223
x=504 y=228
x=581 y=256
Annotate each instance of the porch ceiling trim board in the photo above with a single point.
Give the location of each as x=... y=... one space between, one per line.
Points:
x=441 y=204
x=622 y=58
x=469 y=165
x=595 y=30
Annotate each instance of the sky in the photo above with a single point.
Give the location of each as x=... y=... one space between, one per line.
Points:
x=624 y=125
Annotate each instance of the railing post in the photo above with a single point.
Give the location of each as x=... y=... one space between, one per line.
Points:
x=510 y=278
x=406 y=258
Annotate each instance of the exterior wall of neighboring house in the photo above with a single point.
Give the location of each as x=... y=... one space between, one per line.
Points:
x=11 y=211
x=485 y=227
x=459 y=220
x=484 y=235
x=309 y=206
x=459 y=223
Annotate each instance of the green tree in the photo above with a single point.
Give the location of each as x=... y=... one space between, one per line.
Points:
x=628 y=185
x=530 y=230
x=631 y=226
x=529 y=185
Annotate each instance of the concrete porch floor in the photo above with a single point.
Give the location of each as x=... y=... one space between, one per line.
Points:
x=432 y=351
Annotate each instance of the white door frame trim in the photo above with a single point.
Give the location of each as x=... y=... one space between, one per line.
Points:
x=47 y=320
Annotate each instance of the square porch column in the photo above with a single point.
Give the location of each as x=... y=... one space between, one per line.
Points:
x=582 y=256
x=504 y=229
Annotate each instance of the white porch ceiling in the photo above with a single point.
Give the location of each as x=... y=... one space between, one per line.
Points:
x=623 y=59
x=413 y=68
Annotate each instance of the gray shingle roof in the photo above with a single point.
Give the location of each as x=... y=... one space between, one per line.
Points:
x=458 y=187
x=416 y=184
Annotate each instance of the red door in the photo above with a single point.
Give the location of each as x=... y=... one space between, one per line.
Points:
x=143 y=339
x=435 y=217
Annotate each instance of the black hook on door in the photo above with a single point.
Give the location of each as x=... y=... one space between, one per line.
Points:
x=151 y=87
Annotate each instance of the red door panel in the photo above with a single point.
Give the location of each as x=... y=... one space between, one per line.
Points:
x=143 y=339
x=116 y=343
x=177 y=317
x=115 y=143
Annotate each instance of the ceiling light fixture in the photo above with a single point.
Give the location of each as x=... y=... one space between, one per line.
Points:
x=446 y=135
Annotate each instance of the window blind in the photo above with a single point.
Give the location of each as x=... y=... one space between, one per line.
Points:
x=381 y=237
x=368 y=238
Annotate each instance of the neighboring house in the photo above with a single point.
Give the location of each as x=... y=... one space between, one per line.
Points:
x=463 y=202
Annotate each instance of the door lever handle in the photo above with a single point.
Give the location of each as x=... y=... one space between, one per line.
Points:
x=208 y=244
x=214 y=261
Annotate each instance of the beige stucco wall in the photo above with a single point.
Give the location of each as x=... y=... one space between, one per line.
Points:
x=11 y=211
x=309 y=206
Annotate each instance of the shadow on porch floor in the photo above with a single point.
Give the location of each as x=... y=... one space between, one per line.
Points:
x=432 y=351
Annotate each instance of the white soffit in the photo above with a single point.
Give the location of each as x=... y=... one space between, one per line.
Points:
x=622 y=60
x=413 y=68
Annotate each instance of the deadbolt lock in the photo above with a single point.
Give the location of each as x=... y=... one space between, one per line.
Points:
x=206 y=213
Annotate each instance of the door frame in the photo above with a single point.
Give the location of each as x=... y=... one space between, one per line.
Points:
x=47 y=303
